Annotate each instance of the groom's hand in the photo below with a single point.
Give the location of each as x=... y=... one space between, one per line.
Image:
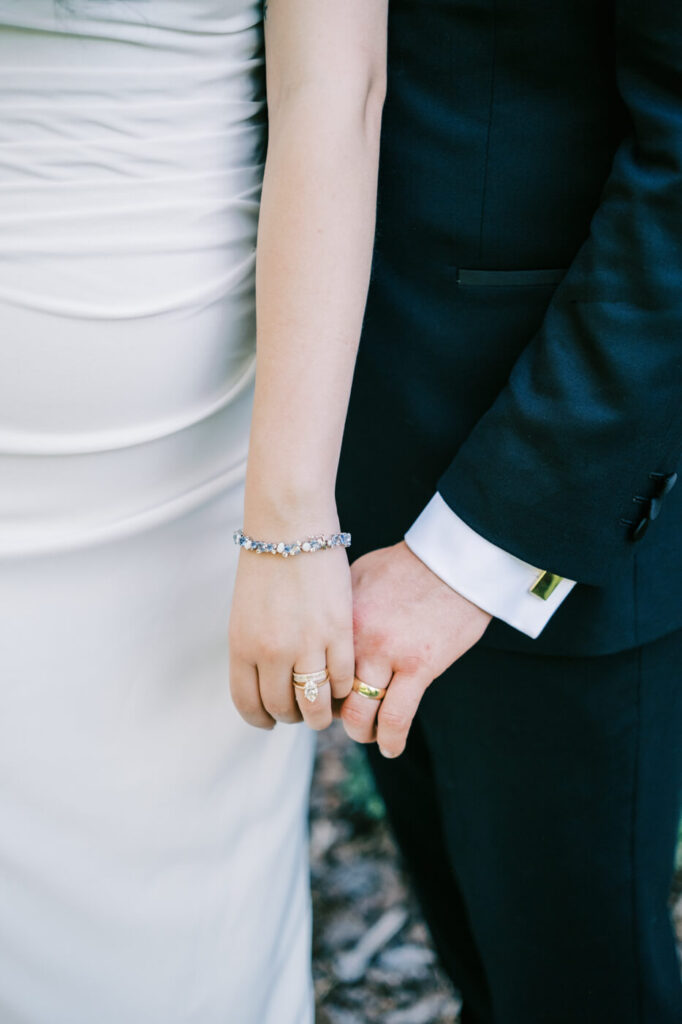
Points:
x=409 y=627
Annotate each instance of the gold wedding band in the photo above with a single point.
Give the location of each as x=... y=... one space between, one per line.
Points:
x=310 y=683
x=373 y=692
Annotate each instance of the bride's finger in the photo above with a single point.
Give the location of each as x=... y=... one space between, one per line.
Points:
x=277 y=691
x=359 y=711
x=246 y=694
x=314 y=701
x=341 y=665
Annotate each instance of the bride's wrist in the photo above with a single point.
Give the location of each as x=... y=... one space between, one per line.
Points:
x=288 y=515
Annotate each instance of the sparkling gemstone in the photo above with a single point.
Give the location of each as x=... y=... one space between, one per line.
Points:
x=280 y=547
x=247 y=543
x=305 y=546
x=310 y=692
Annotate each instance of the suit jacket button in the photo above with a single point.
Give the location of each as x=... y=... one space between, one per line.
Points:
x=666 y=484
x=640 y=528
x=654 y=507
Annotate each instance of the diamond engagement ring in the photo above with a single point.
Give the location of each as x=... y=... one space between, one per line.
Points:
x=310 y=683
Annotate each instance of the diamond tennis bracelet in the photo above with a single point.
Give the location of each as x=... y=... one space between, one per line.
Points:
x=332 y=540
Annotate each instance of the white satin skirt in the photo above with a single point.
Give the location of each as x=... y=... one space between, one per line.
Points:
x=153 y=847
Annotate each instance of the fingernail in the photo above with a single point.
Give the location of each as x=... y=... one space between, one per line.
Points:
x=385 y=753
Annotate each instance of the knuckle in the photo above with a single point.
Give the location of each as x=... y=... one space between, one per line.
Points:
x=412 y=664
x=276 y=643
x=354 y=715
x=272 y=648
x=261 y=722
x=370 y=636
x=251 y=712
x=283 y=711
x=379 y=640
x=396 y=719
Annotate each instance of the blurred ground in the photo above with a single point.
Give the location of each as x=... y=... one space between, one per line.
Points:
x=373 y=962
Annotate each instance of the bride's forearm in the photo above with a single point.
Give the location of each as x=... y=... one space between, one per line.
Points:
x=315 y=240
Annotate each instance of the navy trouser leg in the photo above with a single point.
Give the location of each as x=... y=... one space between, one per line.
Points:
x=416 y=819
x=556 y=788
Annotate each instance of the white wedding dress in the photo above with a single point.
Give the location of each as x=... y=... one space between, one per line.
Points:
x=153 y=859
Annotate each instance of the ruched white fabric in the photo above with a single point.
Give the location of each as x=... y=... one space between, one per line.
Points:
x=153 y=864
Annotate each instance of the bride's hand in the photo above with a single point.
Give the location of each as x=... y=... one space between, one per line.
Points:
x=290 y=615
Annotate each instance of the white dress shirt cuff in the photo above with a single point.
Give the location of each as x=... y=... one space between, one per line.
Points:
x=485 y=574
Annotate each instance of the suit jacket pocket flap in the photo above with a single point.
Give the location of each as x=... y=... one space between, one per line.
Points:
x=508 y=278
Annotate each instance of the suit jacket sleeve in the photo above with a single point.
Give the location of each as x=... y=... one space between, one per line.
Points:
x=580 y=440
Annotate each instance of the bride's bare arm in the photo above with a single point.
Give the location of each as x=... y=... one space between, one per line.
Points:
x=325 y=63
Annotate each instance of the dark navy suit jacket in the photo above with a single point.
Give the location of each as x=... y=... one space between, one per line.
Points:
x=522 y=345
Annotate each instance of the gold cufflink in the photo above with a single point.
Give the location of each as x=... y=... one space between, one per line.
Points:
x=545 y=584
